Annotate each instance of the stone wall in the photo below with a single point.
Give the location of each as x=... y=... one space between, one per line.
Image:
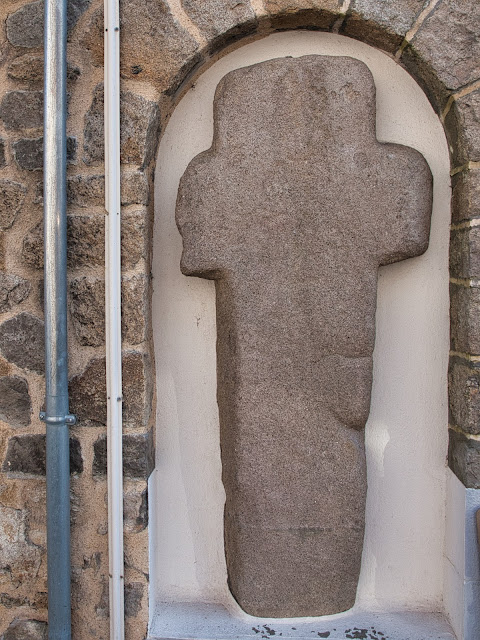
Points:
x=164 y=46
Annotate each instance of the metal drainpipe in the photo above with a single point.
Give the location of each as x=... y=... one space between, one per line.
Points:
x=56 y=415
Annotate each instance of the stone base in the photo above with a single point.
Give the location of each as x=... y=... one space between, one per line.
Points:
x=209 y=621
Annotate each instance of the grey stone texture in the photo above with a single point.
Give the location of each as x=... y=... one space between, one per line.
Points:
x=86 y=191
x=135 y=299
x=25 y=26
x=22 y=109
x=464 y=314
x=26 y=454
x=28 y=69
x=382 y=24
x=293 y=14
x=88 y=394
x=92 y=38
x=448 y=41
x=15 y=402
x=139 y=125
x=464 y=384
x=3 y=160
x=465 y=253
x=135 y=508
x=28 y=152
x=87 y=309
x=220 y=21
x=295 y=266
x=13 y=290
x=463 y=128
x=443 y=54
x=138 y=455
x=155 y=46
x=12 y=197
x=466 y=195
x=133 y=598
x=134 y=188
x=26 y=630
x=85 y=243
x=22 y=342
x=464 y=459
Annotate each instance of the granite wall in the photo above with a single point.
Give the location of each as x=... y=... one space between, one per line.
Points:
x=165 y=45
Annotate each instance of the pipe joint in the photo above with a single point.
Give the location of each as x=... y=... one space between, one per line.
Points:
x=69 y=419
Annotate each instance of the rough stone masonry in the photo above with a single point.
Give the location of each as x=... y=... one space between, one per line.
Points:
x=291 y=211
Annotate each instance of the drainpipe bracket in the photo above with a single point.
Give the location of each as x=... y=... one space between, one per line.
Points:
x=69 y=419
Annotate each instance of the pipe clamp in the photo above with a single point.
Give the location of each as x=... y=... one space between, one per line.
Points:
x=69 y=419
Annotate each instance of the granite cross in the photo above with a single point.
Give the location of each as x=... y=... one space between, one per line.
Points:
x=291 y=211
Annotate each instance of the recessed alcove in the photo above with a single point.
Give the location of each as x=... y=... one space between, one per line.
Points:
x=405 y=579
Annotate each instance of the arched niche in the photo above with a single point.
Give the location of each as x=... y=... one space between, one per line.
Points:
x=406 y=436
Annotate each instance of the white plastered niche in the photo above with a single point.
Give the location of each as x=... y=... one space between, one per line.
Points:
x=406 y=434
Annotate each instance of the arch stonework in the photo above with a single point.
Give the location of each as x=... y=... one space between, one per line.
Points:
x=165 y=46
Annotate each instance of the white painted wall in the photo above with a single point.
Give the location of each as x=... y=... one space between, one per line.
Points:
x=406 y=434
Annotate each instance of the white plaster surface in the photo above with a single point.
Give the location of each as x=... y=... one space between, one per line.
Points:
x=406 y=435
x=462 y=560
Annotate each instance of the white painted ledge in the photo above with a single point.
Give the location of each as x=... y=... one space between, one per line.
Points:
x=182 y=621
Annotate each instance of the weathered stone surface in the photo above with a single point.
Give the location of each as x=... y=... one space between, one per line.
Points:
x=138 y=455
x=135 y=509
x=94 y=131
x=217 y=17
x=134 y=240
x=137 y=388
x=3 y=161
x=85 y=243
x=291 y=14
x=92 y=38
x=134 y=188
x=87 y=309
x=19 y=559
x=139 y=128
x=15 y=402
x=29 y=69
x=26 y=454
x=464 y=395
x=22 y=109
x=464 y=314
x=466 y=195
x=28 y=152
x=25 y=26
x=12 y=197
x=464 y=459
x=22 y=342
x=153 y=43
x=382 y=24
x=463 y=128
x=88 y=395
x=2 y=250
x=88 y=391
x=86 y=191
x=296 y=277
x=465 y=253
x=448 y=42
x=13 y=290
x=26 y=630
x=133 y=598
x=134 y=309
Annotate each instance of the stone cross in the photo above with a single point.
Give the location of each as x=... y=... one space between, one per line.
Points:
x=291 y=212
